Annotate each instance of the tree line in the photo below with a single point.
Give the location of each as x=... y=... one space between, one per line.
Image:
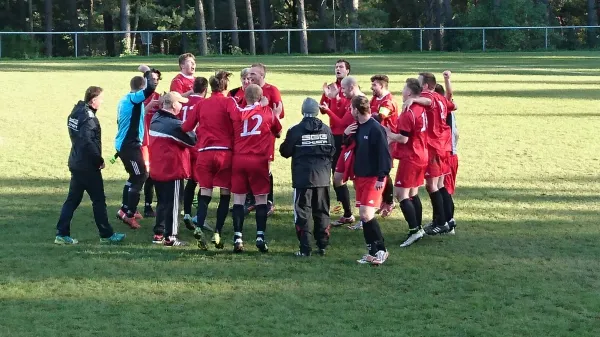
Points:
x=202 y=15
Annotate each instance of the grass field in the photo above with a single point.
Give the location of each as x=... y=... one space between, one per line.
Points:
x=524 y=261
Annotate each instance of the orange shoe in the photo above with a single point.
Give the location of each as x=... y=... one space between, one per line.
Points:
x=131 y=222
x=138 y=216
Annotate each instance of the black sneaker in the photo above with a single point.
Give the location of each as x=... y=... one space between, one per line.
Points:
x=301 y=254
x=261 y=244
x=435 y=230
x=149 y=212
x=321 y=251
x=188 y=222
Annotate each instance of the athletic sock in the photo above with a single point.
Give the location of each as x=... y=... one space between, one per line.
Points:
x=148 y=192
x=125 y=197
x=369 y=238
x=437 y=203
x=203 y=201
x=261 y=220
x=238 y=221
x=133 y=199
x=377 y=235
x=270 y=196
x=448 y=203
x=416 y=201
x=408 y=209
x=344 y=195
x=388 y=191
x=222 y=211
x=188 y=196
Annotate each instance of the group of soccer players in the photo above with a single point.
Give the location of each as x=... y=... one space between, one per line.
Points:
x=420 y=133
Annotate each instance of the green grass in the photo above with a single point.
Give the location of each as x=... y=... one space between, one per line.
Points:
x=524 y=261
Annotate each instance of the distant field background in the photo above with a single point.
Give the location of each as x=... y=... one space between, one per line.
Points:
x=524 y=261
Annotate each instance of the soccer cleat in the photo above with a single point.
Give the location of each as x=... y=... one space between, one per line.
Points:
x=138 y=216
x=337 y=209
x=271 y=208
x=386 y=209
x=204 y=226
x=189 y=222
x=158 y=239
x=356 y=226
x=366 y=259
x=131 y=222
x=199 y=236
x=321 y=252
x=149 y=212
x=380 y=257
x=435 y=230
x=238 y=246
x=301 y=254
x=173 y=241
x=413 y=237
x=65 y=240
x=344 y=221
x=116 y=237
x=216 y=240
x=261 y=244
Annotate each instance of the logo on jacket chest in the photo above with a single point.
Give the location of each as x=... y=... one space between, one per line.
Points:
x=318 y=139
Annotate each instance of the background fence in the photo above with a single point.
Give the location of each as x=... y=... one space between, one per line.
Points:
x=287 y=41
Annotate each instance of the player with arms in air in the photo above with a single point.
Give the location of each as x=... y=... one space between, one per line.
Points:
x=253 y=129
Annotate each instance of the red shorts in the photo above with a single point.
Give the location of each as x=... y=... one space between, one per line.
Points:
x=213 y=169
x=366 y=194
x=409 y=175
x=437 y=165
x=340 y=166
x=250 y=174
x=272 y=150
x=193 y=155
x=450 y=179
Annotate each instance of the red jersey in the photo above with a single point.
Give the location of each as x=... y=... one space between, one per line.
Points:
x=254 y=128
x=238 y=96
x=187 y=108
x=148 y=113
x=336 y=128
x=387 y=108
x=273 y=96
x=340 y=115
x=214 y=129
x=182 y=83
x=413 y=124
x=438 y=131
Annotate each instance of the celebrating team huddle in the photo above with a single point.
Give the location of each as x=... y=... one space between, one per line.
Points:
x=227 y=140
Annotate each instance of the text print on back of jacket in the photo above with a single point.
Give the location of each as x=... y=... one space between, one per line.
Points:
x=86 y=139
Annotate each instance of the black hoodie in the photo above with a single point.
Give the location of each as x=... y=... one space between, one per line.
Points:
x=86 y=139
x=311 y=146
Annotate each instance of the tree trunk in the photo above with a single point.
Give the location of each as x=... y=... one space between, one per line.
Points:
x=438 y=7
x=235 y=41
x=211 y=23
x=109 y=37
x=497 y=4
x=263 y=7
x=48 y=24
x=184 y=40
x=74 y=20
x=323 y=20
x=302 y=25
x=354 y=21
x=23 y=15
x=125 y=25
x=136 y=22
x=252 y=38
x=90 y=25
x=30 y=15
x=201 y=25
x=592 y=20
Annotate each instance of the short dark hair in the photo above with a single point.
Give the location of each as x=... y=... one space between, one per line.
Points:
x=429 y=79
x=440 y=89
x=381 y=79
x=157 y=72
x=219 y=81
x=362 y=104
x=137 y=83
x=346 y=63
x=186 y=56
x=200 y=84
x=413 y=85
x=91 y=93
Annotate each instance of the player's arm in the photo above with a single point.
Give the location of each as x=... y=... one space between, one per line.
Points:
x=276 y=126
x=141 y=95
x=192 y=119
x=332 y=116
x=277 y=102
x=404 y=123
x=448 y=84
x=85 y=136
x=385 y=110
x=286 y=149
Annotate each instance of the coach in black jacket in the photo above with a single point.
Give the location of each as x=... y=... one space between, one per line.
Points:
x=311 y=146
x=85 y=163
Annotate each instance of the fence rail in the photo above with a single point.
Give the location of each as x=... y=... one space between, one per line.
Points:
x=345 y=39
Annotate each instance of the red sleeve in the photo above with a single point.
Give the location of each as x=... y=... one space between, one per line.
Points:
x=192 y=119
x=147 y=120
x=333 y=116
x=450 y=104
x=276 y=99
x=406 y=122
x=276 y=126
x=176 y=85
x=324 y=99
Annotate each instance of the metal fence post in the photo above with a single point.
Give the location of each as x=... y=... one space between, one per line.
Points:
x=148 y=44
x=76 y=45
x=483 y=40
x=421 y=39
x=289 y=42
x=220 y=43
x=355 y=41
x=546 y=39
x=0 y=46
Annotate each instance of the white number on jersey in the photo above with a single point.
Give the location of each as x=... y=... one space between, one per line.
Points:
x=254 y=131
x=442 y=110
x=185 y=111
x=424 y=117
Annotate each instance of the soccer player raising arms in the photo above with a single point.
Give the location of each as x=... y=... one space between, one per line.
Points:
x=372 y=164
x=271 y=94
x=410 y=147
x=183 y=83
x=253 y=129
x=332 y=96
x=385 y=110
x=213 y=162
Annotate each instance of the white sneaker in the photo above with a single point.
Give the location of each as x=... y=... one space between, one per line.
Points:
x=366 y=259
x=356 y=226
x=412 y=238
x=380 y=257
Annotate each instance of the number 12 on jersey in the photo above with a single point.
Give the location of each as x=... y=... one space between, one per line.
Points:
x=254 y=131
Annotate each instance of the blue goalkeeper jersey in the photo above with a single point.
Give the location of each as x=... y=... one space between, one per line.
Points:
x=130 y=121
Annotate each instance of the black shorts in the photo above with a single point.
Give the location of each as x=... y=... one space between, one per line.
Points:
x=337 y=140
x=133 y=160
